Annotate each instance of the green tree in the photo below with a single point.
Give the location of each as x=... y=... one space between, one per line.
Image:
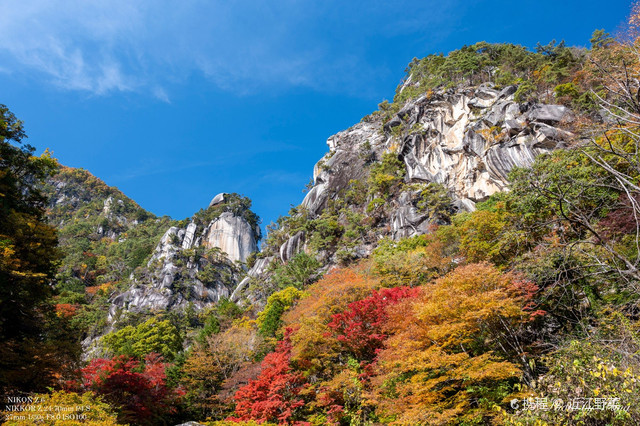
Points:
x=386 y=175
x=28 y=252
x=300 y=271
x=153 y=335
x=600 y=39
x=219 y=318
x=270 y=319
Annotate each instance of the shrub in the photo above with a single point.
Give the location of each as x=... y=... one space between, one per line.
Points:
x=600 y=369
x=219 y=318
x=386 y=176
x=269 y=320
x=299 y=271
x=150 y=336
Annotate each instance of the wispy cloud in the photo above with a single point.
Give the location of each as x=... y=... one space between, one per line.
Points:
x=242 y=45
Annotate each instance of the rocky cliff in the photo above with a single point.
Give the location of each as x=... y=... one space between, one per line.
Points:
x=103 y=235
x=121 y=263
x=467 y=140
x=453 y=148
x=195 y=265
x=76 y=197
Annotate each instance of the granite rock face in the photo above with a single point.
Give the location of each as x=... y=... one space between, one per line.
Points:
x=407 y=219
x=465 y=139
x=292 y=247
x=233 y=235
x=192 y=266
x=350 y=151
x=257 y=270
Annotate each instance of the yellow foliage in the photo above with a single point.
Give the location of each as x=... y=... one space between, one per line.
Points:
x=442 y=356
x=105 y=287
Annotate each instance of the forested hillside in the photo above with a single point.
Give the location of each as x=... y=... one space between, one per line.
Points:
x=468 y=253
x=103 y=236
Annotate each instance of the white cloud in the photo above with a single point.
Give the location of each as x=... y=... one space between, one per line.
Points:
x=65 y=42
x=147 y=45
x=160 y=94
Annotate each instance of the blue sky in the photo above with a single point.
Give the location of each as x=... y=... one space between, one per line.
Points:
x=174 y=102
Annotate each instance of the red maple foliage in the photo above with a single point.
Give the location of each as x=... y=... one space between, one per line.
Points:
x=273 y=396
x=360 y=327
x=528 y=291
x=139 y=390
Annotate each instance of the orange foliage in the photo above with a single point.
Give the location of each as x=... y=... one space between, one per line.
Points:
x=66 y=310
x=92 y=289
x=632 y=31
x=104 y=288
x=447 y=357
x=333 y=293
x=313 y=347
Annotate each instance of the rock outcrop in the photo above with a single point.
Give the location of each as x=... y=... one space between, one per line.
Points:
x=192 y=266
x=173 y=282
x=233 y=235
x=292 y=247
x=257 y=270
x=467 y=140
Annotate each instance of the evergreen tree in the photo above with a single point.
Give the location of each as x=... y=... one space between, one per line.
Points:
x=28 y=356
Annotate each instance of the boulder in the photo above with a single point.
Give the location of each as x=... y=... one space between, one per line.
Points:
x=486 y=93
x=513 y=126
x=315 y=198
x=395 y=121
x=550 y=113
x=507 y=91
x=217 y=199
